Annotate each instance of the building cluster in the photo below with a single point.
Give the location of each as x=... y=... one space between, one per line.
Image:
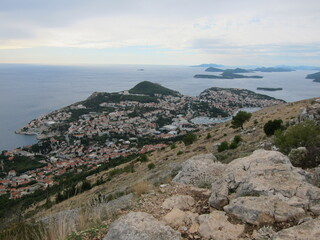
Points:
x=112 y=131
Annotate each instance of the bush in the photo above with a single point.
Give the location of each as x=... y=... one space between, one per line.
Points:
x=223 y=146
x=237 y=139
x=189 y=138
x=233 y=145
x=208 y=136
x=271 y=126
x=305 y=134
x=179 y=153
x=173 y=146
x=143 y=158
x=151 y=166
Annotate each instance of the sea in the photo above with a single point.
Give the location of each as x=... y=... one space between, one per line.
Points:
x=28 y=91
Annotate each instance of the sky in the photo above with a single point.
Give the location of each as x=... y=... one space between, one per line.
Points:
x=166 y=32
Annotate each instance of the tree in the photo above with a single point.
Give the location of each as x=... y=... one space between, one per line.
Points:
x=239 y=119
x=271 y=126
x=189 y=138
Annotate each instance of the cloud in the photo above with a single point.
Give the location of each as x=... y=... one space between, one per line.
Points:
x=203 y=27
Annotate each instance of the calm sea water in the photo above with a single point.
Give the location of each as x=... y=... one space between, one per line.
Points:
x=28 y=91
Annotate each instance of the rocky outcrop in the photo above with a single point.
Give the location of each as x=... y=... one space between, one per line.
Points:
x=264 y=188
x=182 y=202
x=216 y=226
x=307 y=230
x=200 y=169
x=140 y=226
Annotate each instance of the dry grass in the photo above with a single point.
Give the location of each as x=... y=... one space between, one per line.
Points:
x=141 y=188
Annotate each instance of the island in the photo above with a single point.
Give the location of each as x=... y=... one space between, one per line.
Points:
x=314 y=76
x=269 y=89
x=225 y=75
x=273 y=69
x=213 y=69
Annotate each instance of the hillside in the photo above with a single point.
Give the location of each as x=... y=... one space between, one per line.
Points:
x=274 y=69
x=149 y=88
x=153 y=186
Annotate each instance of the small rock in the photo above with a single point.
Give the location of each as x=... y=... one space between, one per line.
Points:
x=178 y=219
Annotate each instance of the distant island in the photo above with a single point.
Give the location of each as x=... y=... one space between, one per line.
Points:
x=314 y=76
x=274 y=69
x=213 y=69
x=269 y=89
x=208 y=65
x=226 y=74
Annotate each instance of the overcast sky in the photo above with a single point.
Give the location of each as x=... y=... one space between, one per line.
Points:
x=180 y=32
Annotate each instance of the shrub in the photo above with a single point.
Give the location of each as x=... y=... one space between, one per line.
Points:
x=208 y=136
x=173 y=146
x=179 y=153
x=151 y=166
x=233 y=145
x=271 y=126
x=223 y=146
x=189 y=138
x=305 y=134
x=237 y=139
x=143 y=158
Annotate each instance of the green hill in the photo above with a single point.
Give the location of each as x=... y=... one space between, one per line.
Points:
x=149 y=88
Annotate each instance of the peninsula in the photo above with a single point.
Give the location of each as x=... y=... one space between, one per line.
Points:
x=314 y=76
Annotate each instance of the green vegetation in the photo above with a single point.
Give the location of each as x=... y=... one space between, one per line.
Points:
x=272 y=125
x=208 y=136
x=233 y=145
x=240 y=118
x=22 y=164
x=179 y=153
x=143 y=158
x=189 y=139
x=223 y=146
x=173 y=146
x=149 y=88
x=305 y=134
x=151 y=166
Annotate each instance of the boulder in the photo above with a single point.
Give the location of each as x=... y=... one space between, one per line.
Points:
x=182 y=202
x=140 y=226
x=216 y=226
x=263 y=210
x=200 y=169
x=307 y=230
x=177 y=218
x=269 y=177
